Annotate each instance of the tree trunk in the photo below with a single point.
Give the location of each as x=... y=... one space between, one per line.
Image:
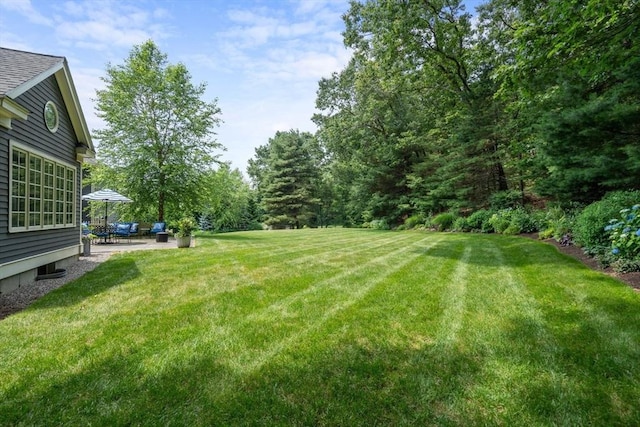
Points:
x=161 y=198
x=161 y=206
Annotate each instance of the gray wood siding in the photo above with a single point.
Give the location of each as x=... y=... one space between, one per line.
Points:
x=4 y=184
x=58 y=146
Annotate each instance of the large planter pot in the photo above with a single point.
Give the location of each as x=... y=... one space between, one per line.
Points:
x=86 y=248
x=183 y=241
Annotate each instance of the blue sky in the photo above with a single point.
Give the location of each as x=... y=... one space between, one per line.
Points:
x=262 y=59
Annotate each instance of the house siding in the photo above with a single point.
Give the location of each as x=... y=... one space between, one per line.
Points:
x=58 y=146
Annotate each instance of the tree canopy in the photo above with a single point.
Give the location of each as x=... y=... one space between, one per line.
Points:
x=159 y=136
x=437 y=112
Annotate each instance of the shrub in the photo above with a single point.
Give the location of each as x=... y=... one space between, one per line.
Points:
x=626 y=265
x=377 y=224
x=513 y=221
x=625 y=233
x=414 y=220
x=460 y=224
x=588 y=230
x=545 y=233
x=479 y=221
x=500 y=221
x=254 y=225
x=557 y=223
x=505 y=199
x=443 y=221
x=522 y=221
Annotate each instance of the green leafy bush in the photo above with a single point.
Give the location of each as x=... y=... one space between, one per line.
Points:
x=443 y=221
x=479 y=221
x=522 y=221
x=588 y=230
x=460 y=224
x=626 y=265
x=556 y=223
x=377 y=224
x=513 y=221
x=500 y=221
x=508 y=199
x=625 y=233
x=414 y=220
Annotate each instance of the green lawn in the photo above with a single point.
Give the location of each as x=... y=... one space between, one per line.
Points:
x=329 y=327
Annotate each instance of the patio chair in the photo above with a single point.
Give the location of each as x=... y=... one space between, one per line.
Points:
x=134 y=230
x=157 y=227
x=123 y=230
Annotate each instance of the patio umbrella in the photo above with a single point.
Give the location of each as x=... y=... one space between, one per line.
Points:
x=106 y=196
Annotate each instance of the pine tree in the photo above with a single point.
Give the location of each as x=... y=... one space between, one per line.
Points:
x=289 y=182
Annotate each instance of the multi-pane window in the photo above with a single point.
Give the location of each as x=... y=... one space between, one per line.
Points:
x=42 y=192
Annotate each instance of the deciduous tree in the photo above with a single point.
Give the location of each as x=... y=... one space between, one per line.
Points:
x=159 y=133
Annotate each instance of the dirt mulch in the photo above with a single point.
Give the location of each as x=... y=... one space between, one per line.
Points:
x=631 y=279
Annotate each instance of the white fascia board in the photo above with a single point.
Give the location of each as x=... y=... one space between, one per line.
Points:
x=9 y=109
x=71 y=100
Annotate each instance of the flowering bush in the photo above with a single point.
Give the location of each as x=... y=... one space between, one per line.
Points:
x=625 y=233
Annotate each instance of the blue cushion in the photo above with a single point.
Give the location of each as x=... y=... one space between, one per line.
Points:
x=123 y=228
x=134 y=228
x=157 y=227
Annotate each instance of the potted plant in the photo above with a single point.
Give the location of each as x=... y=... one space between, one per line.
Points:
x=86 y=243
x=183 y=231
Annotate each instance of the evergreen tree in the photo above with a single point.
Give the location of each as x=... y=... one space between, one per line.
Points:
x=289 y=182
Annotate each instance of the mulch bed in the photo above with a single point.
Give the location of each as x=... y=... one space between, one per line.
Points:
x=631 y=279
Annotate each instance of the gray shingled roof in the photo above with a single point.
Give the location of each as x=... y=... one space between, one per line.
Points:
x=18 y=67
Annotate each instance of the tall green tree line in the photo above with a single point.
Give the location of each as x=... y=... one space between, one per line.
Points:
x=436 y=111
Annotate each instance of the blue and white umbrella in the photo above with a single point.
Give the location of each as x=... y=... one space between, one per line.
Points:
x=106 y=196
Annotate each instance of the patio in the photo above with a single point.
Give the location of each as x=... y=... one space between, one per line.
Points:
x=136 y=244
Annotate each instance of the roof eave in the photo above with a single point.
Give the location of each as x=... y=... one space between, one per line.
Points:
x=9 y=109
x=70 y=96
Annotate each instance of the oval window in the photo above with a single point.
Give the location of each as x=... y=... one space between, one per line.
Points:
x=51 y=116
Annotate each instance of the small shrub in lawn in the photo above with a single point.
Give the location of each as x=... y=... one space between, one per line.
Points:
x=588 y=229
x=479 y=221
x=443 y=221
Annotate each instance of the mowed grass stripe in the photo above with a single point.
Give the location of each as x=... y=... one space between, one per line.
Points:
x=312 y=295
x=321 y=241
x=300 y=314
x=247 y=264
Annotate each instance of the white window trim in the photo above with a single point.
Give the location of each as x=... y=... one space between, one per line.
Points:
x=32 y=151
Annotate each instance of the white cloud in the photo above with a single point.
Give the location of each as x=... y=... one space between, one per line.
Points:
x=101 y=24
x=26 y=9
x=14 y=41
